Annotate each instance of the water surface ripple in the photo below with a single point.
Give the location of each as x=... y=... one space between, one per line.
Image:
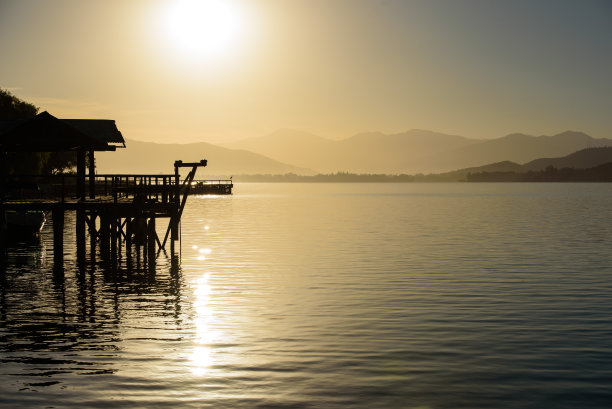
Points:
x=330 y=296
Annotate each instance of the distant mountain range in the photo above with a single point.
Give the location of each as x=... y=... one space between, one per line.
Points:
x=587 y=165
x=411 y=152
x=583 y=159
x=372 y=152
x=148 y=157
x=415 y=151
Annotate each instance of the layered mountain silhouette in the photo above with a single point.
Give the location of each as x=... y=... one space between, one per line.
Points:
x=148 y=157
x=411 y=152
x=415 y=151
x=372 y=152
x=583 y=159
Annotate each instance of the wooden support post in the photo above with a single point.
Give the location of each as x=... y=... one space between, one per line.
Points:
x=113 y=241
x=172 y=248
x=174 y=232
x=80 y=235
x=105 y=237
x=119 y=234
x=177 y=186
x=58 y=237
x=81 y=175
x=128 y=242
x=142 y=226
x=92 y=175
x=151 y=243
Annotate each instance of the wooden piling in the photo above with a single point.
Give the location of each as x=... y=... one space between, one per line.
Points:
x=113 y=240
x=129 y=212
x=80 y=235
x=119 y=235
x=92 y=175
x=81 y=174
x=151 y=242
x=104 y=237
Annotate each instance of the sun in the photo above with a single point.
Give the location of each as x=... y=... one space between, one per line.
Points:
x=202 y=29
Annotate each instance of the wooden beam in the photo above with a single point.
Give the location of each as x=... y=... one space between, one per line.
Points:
x=92 y=175
x=81 y=174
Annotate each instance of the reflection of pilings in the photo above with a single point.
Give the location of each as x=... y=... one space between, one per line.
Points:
x=174 y=232
x=128 y=242
x=80 y=235
x=138 y=257
x=145 y=248
x=113 y=240
x=58 y=237
x=93 y=234
x=3 y=232
x=119 y=236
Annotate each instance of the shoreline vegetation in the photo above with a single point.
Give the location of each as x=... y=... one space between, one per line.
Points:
x=601 y=173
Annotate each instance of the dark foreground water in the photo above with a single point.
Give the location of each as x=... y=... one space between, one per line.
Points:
x=331 y=296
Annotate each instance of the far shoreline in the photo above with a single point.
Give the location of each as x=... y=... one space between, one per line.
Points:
x=598 y=174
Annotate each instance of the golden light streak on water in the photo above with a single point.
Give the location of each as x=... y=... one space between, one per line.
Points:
x=201 y=357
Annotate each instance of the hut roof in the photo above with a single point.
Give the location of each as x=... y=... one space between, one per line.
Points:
x=46 y=133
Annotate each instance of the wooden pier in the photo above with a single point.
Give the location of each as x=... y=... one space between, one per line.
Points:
x=122 y=216
x=120 y=212
x=212 y=187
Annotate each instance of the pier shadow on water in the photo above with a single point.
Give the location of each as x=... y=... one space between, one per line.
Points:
x=61 y=322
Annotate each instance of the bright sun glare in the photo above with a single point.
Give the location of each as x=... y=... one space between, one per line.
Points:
x=203 y=29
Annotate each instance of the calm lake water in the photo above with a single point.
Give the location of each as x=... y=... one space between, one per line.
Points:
x=330 y=296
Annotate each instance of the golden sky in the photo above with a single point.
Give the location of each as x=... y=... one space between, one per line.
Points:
x=221 y=70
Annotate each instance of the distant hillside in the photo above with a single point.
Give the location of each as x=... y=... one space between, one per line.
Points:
x=461 y=174
x=372 y=152
x=411 y=152
x=586 y=165
x=522 y=148
x=583 y=159
x=148 y=157
x=415 y=151
x=600 y=173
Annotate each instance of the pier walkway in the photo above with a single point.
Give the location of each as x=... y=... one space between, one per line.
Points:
x=119 y=211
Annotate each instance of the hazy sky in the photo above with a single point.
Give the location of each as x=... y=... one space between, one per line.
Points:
x=168 y=71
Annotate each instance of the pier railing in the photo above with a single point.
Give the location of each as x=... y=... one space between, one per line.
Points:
x=114 y=208
x=218 y=186
x=212 y=182
x=162 y=188
x=157 y=187
x=147 y=187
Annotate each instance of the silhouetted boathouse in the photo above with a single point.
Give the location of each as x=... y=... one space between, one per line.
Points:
x=116 y=209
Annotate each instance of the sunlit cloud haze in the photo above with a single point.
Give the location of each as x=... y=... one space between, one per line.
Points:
x=334 y=68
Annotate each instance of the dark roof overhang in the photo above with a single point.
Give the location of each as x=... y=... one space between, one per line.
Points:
x=46 y=133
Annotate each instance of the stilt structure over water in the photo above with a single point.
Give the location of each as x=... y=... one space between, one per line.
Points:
x=212 y=187
x=119 y=211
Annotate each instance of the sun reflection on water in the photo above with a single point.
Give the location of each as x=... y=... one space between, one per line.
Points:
x=205 y=335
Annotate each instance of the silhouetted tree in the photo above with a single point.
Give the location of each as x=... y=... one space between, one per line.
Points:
x=12 y=107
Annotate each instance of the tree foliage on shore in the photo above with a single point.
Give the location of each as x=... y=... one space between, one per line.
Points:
x=601 y=173
x=46 y=163
x=346 y=177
